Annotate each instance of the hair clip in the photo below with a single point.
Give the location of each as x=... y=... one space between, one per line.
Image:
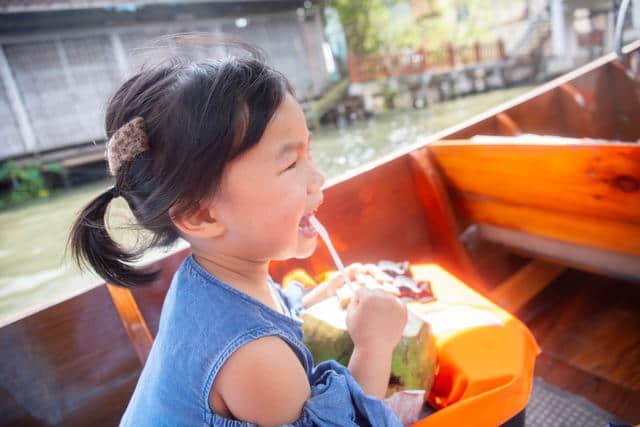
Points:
x=126 y=143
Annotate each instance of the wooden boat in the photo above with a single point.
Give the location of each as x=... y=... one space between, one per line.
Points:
x=549 y=229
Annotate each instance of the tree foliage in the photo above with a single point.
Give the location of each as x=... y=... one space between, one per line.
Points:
x=370 y=26
x=363 y=21
x=27 y=181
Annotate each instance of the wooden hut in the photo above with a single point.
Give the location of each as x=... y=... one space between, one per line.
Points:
x=61 y=59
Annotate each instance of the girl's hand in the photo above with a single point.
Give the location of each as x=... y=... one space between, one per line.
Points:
x=363 y=276
x=336 y=279
x=360 y=275
x=376 y=320
x=328 y=288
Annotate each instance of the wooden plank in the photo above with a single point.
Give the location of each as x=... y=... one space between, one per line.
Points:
x=70 y=364
x=592 y=179
x=507 y=126
x=576 y=113
x=614 y=103
x=440 y=218
x=627 y=104
x=542 y=115
x=132 y=320
x=517 y=290
x=590 y=322
x=602 y=103
x=487 y=126
x=599 y=261
x=150 y=297
x=581 y=230
x=495 y=262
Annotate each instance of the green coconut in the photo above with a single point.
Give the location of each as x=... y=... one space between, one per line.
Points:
x=413 y=361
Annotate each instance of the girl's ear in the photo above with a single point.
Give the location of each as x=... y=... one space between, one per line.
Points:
x=202 y=221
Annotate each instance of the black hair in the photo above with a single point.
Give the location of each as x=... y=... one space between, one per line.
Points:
x=198 y=116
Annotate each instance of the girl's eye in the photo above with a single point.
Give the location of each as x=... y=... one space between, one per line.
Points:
x=291 y=166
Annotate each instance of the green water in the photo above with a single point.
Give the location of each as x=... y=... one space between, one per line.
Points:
x=36 y=272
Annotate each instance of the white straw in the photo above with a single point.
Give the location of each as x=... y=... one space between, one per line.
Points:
x=327 y=241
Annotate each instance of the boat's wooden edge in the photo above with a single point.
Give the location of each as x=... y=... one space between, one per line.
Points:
x=69 y=364
x=532 y=142
x=440 y=217
x=132 y=320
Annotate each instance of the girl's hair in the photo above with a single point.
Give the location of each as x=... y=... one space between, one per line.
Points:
x=198 y=116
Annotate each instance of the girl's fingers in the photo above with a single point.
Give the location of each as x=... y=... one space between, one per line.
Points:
x=377 y=273
x=369 y=282
x=391 y=289
x=354 y=299
x=362 y=276
x=352 y=270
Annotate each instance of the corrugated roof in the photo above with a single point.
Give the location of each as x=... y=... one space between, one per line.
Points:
x=21 y=6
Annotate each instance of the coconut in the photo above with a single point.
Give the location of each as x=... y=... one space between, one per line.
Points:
x=413 y=361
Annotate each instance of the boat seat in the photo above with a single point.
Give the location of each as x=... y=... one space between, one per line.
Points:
x=577 y=212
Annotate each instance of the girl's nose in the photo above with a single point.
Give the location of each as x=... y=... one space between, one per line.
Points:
x=316 y=180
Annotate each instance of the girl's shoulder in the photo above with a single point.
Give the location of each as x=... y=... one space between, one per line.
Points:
x=264 y=381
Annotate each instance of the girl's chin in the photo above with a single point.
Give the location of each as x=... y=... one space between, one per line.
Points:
x=307 y=248
x=304 y=249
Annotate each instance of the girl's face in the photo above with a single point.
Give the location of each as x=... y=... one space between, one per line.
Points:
x=268 y=192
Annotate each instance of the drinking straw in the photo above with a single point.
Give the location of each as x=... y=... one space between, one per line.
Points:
x=327 y=241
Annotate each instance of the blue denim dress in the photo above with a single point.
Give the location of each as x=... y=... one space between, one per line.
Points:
x=203 y=322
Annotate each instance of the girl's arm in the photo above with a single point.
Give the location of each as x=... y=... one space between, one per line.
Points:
x=375 y=321
x=371 y=368
x=318 y=293
x=263 y=383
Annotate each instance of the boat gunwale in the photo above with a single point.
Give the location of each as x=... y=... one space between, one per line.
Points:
x=521 y=99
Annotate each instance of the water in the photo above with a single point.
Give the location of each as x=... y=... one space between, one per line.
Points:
x=338 y=150
x=36 y=271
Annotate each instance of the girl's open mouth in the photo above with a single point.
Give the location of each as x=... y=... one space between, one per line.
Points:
x=306 y=228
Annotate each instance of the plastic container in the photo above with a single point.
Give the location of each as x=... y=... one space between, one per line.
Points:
x=486 y=356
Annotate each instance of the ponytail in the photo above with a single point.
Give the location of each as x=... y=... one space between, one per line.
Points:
x=92 y=246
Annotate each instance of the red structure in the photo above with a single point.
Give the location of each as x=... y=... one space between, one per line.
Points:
x=375 y=67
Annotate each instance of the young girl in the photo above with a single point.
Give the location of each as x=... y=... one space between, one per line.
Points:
x=218 y=153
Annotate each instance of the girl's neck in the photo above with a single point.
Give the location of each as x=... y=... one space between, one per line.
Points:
x=247 y=276
x=234 y=271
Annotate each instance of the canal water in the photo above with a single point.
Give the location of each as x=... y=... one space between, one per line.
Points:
x=36 y=270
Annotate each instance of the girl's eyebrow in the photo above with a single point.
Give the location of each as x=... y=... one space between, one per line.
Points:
x=292 y=146
x=288 y=147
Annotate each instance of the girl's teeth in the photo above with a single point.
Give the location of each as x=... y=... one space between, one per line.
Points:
x=306 y=227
